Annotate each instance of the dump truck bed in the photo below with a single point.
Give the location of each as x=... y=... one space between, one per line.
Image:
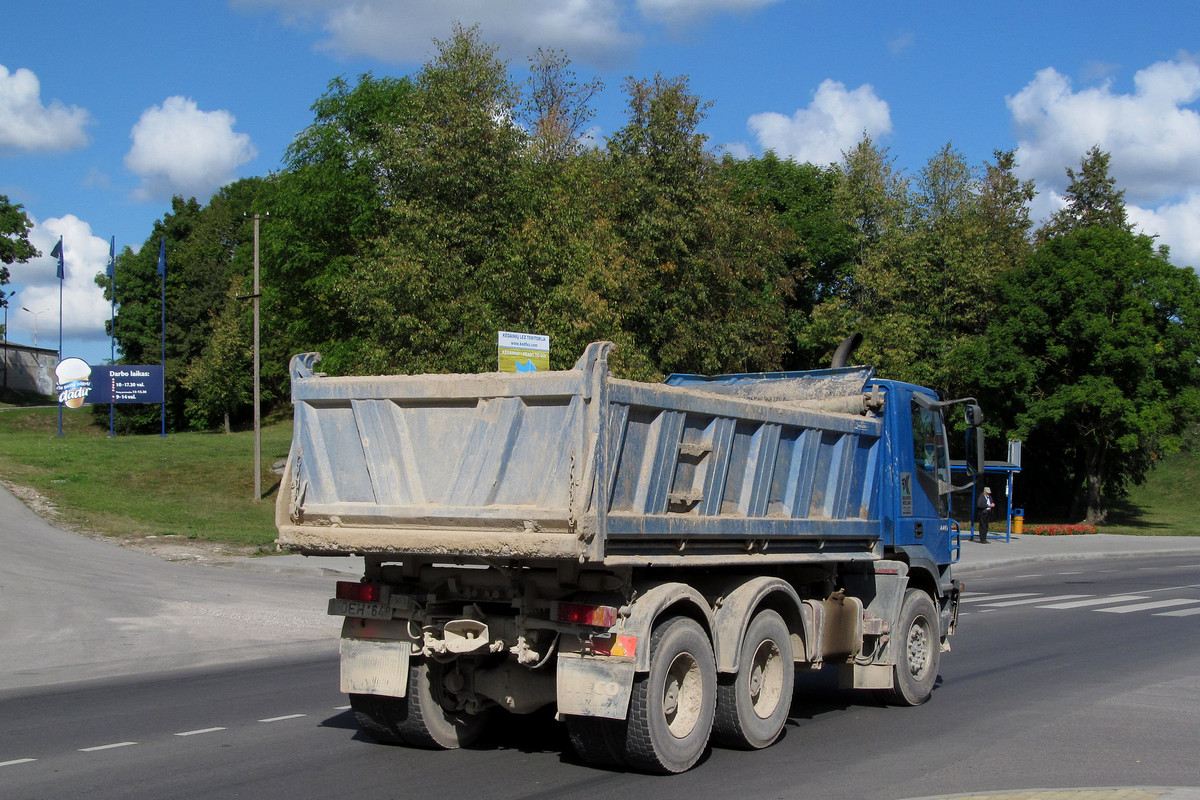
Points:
x=577 y=465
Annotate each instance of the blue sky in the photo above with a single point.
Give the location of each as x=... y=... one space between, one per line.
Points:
x=108 y=109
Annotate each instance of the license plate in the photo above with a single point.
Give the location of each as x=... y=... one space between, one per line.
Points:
x=359 y=610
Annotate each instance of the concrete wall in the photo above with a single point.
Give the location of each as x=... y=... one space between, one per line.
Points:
x=27 y=369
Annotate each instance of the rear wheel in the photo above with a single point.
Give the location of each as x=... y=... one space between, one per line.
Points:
x=672 y=706
x=431 y=722
x=753 y=707
x=919 y=638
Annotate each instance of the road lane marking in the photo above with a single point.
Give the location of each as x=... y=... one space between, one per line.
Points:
x=16 y=761
x=198 y=732
x=106 y=747
x=281 y=719
x=1098 y=601
x=1182 y=612
x=987 y=597
x=1032 y=600
x=1148 y=606
x=342 y=708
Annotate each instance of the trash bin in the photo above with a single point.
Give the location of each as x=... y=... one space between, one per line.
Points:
x=1018 y=526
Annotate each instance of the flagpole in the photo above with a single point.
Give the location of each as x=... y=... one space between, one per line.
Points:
x=58 y=251
x=162 y=270
x=112 y=325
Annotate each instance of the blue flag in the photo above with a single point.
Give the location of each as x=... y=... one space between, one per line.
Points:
x=162 y=257
x=111 y=269
x=57 y=252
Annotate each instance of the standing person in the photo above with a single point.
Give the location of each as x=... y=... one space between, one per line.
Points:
x=987 y=507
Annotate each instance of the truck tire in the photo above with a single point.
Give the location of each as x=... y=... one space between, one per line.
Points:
x=753 y=705
x=672 y=706
x=426 y=722
x=919 y=641
x=377 y=716
x=599 y=742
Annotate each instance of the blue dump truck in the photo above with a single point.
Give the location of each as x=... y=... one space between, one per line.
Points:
x=652 y=560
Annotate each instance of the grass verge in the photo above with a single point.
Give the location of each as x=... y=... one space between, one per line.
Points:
x=195 y=486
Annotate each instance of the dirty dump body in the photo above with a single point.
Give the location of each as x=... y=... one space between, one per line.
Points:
x=610 y=547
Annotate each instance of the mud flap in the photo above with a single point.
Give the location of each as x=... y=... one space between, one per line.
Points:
x=594 y=687
x=374 y=667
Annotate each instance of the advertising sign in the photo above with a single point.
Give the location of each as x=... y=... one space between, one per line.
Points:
x=79 y=383
x=127 y=384
x=523 y=352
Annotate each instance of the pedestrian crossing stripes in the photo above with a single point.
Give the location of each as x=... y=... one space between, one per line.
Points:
x=1108 y=604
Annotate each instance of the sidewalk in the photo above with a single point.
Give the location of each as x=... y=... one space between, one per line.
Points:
x=1025 y=548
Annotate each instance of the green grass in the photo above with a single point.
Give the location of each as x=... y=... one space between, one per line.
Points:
x=1165 y=505
x=200 y=486
x=197 y=486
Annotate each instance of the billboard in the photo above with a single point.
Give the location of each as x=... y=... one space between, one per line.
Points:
x=80 y=383
x=523 y=352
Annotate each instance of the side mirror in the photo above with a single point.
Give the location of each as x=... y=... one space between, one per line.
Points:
x=975 y=460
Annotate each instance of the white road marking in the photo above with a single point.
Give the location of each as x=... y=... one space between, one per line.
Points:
x=1148 y=606
x=1098 y=601
x=1032 y=600
x=106 y=747
x=281 y=719
x=988 y=597
x=1182 y=612
x=198 y=732
x=342 y=708
x=16 y=761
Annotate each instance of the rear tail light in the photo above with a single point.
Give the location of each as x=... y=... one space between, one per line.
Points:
x=580 y=614
x=360 y=592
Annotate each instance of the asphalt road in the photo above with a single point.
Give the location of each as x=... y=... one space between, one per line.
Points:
x=1063 y=674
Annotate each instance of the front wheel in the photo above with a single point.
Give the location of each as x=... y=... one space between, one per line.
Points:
x=753 y=707
x=920 y=641
x=672 y=706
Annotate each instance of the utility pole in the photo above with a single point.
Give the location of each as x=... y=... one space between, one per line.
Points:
x=257 y=418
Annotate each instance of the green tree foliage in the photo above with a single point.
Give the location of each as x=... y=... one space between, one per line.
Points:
x=706 y=282
x=433 y=289
x=1106 y=332
x=219 y=379
x=14 y=241
x=1092 y=198
x=820 y=253
x=328 y=204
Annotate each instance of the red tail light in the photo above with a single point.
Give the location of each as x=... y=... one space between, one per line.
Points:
x=360 y=592
x=580 y=614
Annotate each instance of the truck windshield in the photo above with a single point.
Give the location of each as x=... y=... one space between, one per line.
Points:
x=929 y=455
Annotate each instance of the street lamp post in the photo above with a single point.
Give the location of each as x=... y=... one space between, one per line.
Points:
x=5 y=297
x=36 y=314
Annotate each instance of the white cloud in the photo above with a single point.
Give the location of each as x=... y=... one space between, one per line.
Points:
x=833 y=123
x=1153 y=137
x=179 y=149
x=84 y=309
x=1175 y=225
x=26 y=124
x=402 y=31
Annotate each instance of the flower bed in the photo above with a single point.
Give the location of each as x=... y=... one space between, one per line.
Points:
x=1059 y=530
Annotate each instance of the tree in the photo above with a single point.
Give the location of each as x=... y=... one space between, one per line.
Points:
x=1107 y=329
x=801 y=197
x=327 y=206
x=14 y=241
x=219 y=379
x=429 y=293
x=1092 y=198
x=557 y=107
x=706 y=281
